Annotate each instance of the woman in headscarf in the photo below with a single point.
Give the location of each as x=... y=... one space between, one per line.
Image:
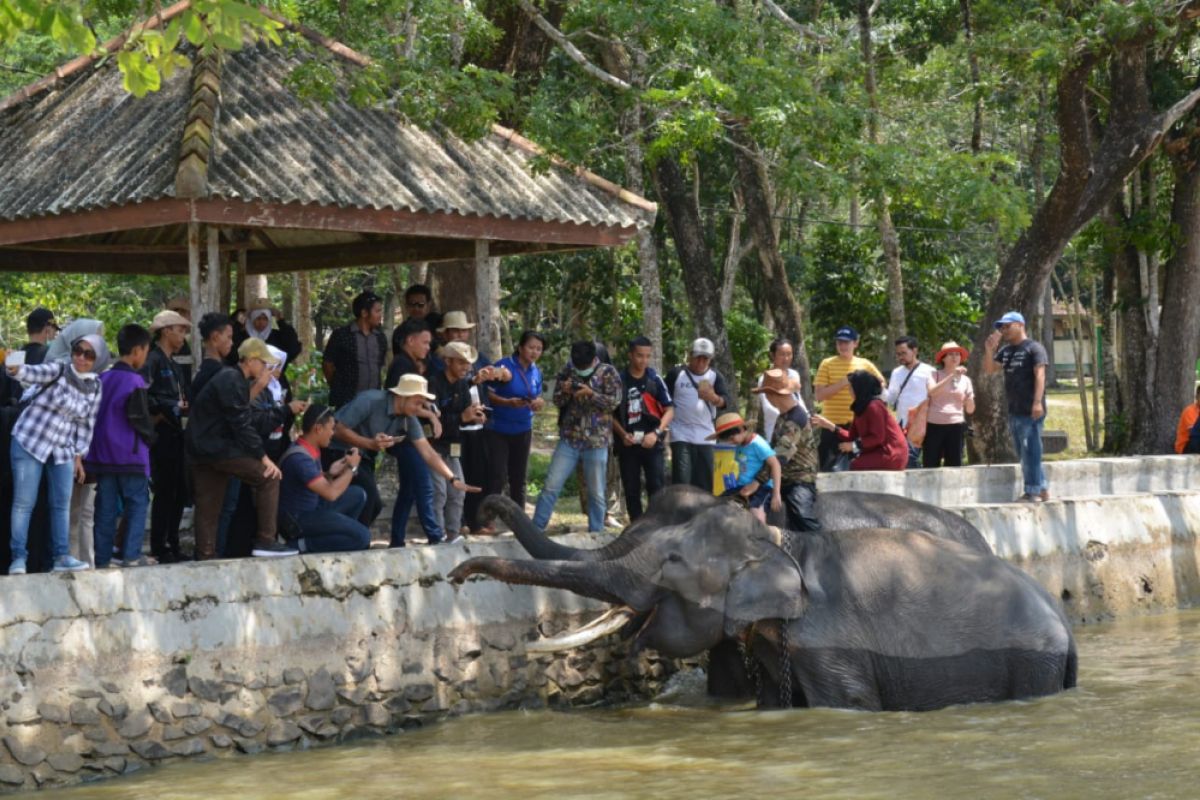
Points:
x=52 y=435
x=260 y=319
x=882 y=445
x=81 y=540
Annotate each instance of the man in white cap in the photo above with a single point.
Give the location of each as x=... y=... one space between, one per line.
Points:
x=167 y=393
x=700 y=394
x=224 y=442
x=1024 y=362
x=379 y=419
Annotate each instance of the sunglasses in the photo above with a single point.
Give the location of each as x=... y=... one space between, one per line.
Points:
x=84 y=352
x=416 y=304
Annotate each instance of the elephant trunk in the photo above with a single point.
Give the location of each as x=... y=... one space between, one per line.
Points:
x=534 y=540
x=605 y=581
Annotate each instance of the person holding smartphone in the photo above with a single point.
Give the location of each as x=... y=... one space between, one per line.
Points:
x=514 y=403
x=319 y=510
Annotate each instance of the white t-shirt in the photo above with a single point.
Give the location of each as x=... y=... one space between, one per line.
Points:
x=693 y=417
x=769 y=413
x=915 y=391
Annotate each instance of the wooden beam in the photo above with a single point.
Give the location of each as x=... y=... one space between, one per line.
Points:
x=365 y=254
x=406 y=223
x=19 y=259
x=137 y=216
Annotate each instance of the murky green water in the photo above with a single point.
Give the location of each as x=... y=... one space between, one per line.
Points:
x=1132 y=729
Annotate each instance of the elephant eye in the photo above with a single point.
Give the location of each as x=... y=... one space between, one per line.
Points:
x=674 y=558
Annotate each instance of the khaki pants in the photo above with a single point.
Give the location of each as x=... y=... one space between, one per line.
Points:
x=210 y=480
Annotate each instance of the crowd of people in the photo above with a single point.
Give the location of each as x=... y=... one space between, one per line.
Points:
x=92 y=442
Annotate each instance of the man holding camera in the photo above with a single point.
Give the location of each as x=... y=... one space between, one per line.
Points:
x=640 y=424
x=586 y=392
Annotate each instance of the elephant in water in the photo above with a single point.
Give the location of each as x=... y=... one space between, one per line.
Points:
x=870 y=618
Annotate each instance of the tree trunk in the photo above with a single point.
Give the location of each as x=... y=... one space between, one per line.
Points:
x=1179 y=342
x=303 y=318
x=453 y=286
x=888 y=237
x=756 y=197
x=648 y=277
x=973 y=63
x=699 y=276
x=1090 y=176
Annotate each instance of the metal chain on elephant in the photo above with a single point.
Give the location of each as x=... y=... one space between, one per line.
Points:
x=751 y=665
x=785 y=657
x=785 y=668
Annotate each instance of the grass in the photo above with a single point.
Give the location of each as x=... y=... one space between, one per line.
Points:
x=1063 y=413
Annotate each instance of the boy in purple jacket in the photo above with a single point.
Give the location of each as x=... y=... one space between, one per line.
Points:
x=119 y=457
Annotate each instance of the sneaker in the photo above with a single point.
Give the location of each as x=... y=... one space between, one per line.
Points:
x=611 y=522
x=1044 y=495
x=144 y=561
x=274 y=550
x=69 y=564
x=17 y=567
x=1029 y=498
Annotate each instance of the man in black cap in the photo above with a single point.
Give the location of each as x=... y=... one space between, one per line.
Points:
x=832 y=389
x=42 y=328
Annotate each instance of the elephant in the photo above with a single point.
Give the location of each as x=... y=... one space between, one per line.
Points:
x=726 y=672
x=865 y=618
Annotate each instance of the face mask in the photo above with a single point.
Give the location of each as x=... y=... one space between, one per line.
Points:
x=585 y=373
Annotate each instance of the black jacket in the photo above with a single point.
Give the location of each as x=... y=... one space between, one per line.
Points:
x=284 y=337
x=452 y=401
x=165 y=388
x=223 y=425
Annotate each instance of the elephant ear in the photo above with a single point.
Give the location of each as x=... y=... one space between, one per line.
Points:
x=770 y=587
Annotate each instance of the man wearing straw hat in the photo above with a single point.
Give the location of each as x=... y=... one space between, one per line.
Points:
x=476 y=459
x=796 y=446
x=457 y=408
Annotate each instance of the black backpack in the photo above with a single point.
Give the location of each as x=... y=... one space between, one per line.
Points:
x=1193 y=441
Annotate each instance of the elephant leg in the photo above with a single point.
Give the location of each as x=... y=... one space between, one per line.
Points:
x=727 y=676
x=837 y=679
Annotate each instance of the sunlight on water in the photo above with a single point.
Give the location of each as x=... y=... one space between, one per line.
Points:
x=1132 y=729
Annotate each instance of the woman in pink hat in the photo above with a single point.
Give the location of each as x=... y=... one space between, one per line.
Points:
x=951 y=398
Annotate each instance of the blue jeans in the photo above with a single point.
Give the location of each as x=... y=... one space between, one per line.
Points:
x=334 y=527
x=1027 y=437
x=112 y=492
x=27 y=477
x=562 y=464
x=415 y=487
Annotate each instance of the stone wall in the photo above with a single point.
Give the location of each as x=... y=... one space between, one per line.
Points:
x=102 y=673
x=106 y=672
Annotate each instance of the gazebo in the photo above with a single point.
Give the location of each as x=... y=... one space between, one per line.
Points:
x=226 y=165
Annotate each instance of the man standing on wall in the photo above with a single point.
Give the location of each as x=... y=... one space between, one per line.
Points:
x=833 y=389
x=699 y=393
x=640 y=424
x=908 y=388
x=1024 y=362
x=354 y=356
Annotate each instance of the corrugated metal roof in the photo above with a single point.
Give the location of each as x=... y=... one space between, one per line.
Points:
x=91 y=145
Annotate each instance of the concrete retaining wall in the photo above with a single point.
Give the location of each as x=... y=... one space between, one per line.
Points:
x=106 y=672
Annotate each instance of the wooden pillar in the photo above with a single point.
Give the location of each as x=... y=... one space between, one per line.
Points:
x=226 y=298
x=194 y=288
x=242 y=279
x=487 y=301
x=212 y=276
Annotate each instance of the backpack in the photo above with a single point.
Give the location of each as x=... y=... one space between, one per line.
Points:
x=1193 y=441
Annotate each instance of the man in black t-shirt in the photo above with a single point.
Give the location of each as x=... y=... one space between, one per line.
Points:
x=1024 y=364
x=41 y=328
x=640 y=423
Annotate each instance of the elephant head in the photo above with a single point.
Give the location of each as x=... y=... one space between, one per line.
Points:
x=690 y=585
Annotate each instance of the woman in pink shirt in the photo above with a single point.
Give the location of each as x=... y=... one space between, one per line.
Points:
x=951 y=397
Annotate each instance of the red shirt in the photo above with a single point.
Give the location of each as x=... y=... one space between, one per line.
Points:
x=883 y=444
x=1186 y=420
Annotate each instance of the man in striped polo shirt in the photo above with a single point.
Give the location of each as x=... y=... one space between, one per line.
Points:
x=833 y=390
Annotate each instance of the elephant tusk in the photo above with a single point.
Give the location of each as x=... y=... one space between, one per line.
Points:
x=608 y=622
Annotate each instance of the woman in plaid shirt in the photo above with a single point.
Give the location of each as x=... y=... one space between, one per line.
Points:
x=53 y=434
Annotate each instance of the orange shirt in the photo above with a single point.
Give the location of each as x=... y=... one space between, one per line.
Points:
x=1186 y=420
